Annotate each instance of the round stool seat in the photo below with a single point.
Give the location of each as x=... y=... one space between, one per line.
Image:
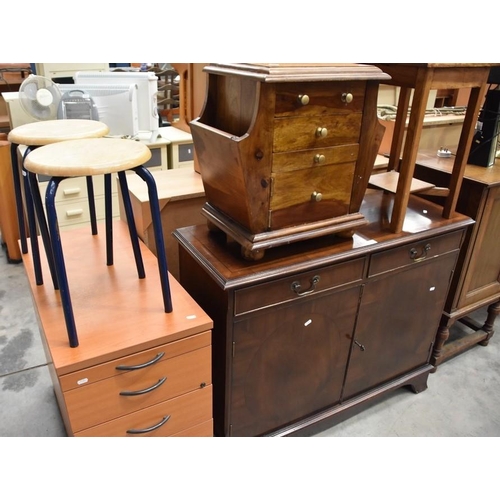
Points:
x=50 y=131
x=86 y=157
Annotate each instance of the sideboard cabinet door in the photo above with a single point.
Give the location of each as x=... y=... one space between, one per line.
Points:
x=289 y=361
x=396 y=325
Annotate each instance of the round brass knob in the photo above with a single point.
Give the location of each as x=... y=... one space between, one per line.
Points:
x=321 y=132
x=347 y=97
x=316 y=196
x=319 y=159
x=303 y=99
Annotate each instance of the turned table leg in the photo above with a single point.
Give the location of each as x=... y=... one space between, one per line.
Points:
x=441 y=337
x=493 y=312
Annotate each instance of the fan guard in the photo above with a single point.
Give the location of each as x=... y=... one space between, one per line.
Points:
x=40 y=97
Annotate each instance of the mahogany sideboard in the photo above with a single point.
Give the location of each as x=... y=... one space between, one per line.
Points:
x=317 y=330
x=476 y=282
x=138 y=371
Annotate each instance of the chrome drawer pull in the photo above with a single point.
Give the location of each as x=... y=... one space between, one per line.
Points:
x=144 y=365
x=414 y=253
x=149 y=429
x=144 y=391
x=296 y=287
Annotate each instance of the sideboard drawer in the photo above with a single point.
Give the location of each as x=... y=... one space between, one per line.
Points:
x=294 y=287
x=408 y=255
x=164 y=419
x=134 y=390
x=322 y=98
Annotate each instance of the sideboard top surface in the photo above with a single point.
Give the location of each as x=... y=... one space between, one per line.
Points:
x=223 y=259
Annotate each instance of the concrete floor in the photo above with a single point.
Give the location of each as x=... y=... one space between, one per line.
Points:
x=462 y=398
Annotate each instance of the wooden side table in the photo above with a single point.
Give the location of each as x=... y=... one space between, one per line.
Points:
x=422 y=77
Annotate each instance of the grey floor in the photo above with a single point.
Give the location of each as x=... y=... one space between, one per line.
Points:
x=462 y=398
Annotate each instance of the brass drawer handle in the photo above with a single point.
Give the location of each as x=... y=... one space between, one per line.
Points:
x=316 y=196
x=144 y=391
x=144 y=365
x=296 y=287
x=164 y=420
x=347 y=97
x=319 y=159
x=303 y=99
x=321 y=132
x=414 y=253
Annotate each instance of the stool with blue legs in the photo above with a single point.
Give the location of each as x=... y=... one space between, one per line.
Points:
x=34 y=135
x=88 y=157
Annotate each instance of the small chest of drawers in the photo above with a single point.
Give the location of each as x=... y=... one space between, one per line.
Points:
x=137 y=371
x=286 y=151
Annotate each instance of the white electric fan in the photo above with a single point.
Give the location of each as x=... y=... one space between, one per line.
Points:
x=40 y=97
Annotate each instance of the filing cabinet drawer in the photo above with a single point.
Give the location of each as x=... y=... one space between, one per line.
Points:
x=134 y=390
x=306 y=132
x=144 y=358
x=76 y=187
x=322 y=98
x=164 y=419
x=284 y=290
x=409 y=255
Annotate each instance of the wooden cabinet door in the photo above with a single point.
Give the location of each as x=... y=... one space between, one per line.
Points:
x=398 y=319
x=289 y=361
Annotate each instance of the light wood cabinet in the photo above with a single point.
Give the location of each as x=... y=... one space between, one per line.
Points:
x=137 y=371
x=317 y=330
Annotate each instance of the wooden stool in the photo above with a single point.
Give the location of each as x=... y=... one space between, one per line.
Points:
x=34 y=135
x=88 y=157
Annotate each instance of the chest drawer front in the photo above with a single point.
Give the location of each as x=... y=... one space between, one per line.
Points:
x=184 y=415
x=309 y=132
x=409 y=255
x=110 y=398
x=292 y=288
x=316 y=187
x=147 y=357
x=298 y=160
x=319 y=98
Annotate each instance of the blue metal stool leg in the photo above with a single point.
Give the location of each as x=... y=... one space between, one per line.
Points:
x=108 y=211
x=19 y=198
x=148 y=178
x=90 y=193
x=30 y=213
x=59 y=260
x=134 y=238
x=33 y=192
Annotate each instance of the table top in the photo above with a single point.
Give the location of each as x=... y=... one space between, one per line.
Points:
x=50 y=131
x=85 y=157
x=486 y=175
x=175 y=184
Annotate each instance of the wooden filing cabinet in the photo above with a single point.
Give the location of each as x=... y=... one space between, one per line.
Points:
x=476 y=282
x=138 y=371
x=317 y=330
x=285 y=150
